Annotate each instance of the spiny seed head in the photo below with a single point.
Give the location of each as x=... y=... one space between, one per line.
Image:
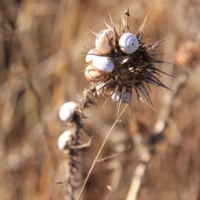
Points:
x=134 y=63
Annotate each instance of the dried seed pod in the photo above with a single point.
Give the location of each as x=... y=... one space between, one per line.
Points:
x=126 y=97
x=104 y=91
x=66 y=110
x=128 y=43
x=64 y=139
x=103 y=64
x=102 y=42
x=93 y=75
x=91 y=55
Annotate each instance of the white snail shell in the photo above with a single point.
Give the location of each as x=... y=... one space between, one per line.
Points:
x=102 y=41
x=103 y=64
x=128 y=43
x=126 y=97
x=91 y=55
x=93 y=75
x=66 y=110
x=64 y=139
x=103 y=91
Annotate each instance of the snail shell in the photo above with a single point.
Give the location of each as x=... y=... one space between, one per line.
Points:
x=104 y=91
x=102 y=41
x=103 y=64
x=93 y=75
x=91 y=55
x=128 y=43
x=66 y=110
x=126 y=97
x=64 y=139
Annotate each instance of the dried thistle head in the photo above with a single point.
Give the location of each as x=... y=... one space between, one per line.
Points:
x=122 y=64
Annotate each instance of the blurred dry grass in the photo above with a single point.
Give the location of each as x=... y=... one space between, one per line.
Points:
x=41 y=67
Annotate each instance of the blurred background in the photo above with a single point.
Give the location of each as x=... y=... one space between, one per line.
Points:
x=41 y=67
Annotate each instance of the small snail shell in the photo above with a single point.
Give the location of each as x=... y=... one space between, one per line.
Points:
x=66 y=110
x=91 y=55
x=104 y=91
x=126 y=97
x=93 y=75
x=102 y=41
x=103 y=64
x=128 y=43
x=64 y=139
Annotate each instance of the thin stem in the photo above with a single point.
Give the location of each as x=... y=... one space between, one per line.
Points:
x=96 y=158
x=112 y=156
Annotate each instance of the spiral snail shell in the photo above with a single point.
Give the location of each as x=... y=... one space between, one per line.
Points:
x=93 y=75
x=128 y=43
x=66 y=110
x=103 y=64
x=126 y=97
x=103 y=91
x=91 y=55
x=64 y=139
x=102 y=42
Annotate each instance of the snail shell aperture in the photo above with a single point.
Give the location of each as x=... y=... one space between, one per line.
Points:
x=128 y=43
x=66 y=110
x=64 y=139
x=102 y=41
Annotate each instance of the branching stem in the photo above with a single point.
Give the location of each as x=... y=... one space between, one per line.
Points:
x=97 y=156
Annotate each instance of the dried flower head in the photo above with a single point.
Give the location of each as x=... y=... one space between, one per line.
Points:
x=122 y=64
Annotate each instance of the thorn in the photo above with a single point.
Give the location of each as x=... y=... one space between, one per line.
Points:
x=96 y=34
x=158 y=43
x=142 y=26
x=86 y=47
x=123 y=20
x=114 y=30
x=114 y=91
x=120 y=32
x=108 y=26
x=110 y=17
x=141 y=100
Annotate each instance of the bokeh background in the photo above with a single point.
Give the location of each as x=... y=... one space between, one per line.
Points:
x=41 y=67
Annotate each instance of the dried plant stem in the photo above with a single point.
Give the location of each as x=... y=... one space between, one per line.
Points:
x=112 y=156
x=144 y=149
x=97 y=156
x=144 y=158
